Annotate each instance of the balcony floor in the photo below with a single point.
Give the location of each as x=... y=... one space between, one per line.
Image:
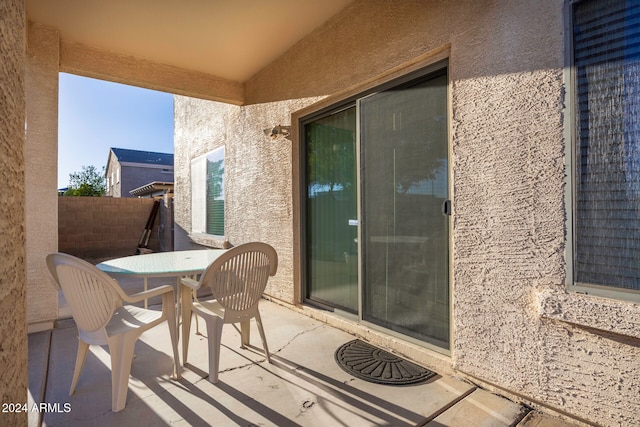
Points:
x=303 y=386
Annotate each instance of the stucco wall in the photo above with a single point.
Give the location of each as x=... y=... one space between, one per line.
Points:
x=257 y=175
x=41 y=173
x=13 y=330
x=506 y=61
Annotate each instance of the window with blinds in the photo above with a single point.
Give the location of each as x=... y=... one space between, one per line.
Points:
x=606 y=60
x=207 y=193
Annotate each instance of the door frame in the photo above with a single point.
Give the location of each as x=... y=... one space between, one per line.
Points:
x=404 y=73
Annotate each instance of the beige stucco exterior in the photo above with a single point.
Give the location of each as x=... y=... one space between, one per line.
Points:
x=13 y=328
x=96 y=63
x=40 y=148
x=258 y=204
x=515 y=328
x=47 y=55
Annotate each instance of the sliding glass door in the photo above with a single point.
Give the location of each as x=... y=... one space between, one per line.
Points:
x=405 y=235
x=331 y=210
x=389 y=264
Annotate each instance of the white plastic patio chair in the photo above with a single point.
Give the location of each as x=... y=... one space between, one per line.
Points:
x=237 y=280
x=96 y=303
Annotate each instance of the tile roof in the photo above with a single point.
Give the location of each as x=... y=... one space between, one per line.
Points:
x=147 y=157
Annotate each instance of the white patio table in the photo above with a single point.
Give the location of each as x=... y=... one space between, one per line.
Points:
x=162 y=264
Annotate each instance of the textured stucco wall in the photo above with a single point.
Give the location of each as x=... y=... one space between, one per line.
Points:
x=509 y=267
x=367 y=38
x=13 y=328
x=257 y=175
x=100 y=64
x=41 y=171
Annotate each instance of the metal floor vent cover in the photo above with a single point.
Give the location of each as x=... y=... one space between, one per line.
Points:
x=369 y=363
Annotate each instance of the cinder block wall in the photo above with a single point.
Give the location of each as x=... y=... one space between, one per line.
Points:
x=102 y=227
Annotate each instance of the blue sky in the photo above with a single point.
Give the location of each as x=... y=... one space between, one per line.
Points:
x=95 y=115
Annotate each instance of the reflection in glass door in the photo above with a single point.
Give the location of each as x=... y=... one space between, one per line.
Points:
x=405 y=235
x=400 y=281
x=331 y=211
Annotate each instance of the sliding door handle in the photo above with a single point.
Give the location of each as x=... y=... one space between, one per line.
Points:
x=446 y=207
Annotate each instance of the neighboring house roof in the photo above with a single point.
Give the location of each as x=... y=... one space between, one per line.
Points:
x=143 y=157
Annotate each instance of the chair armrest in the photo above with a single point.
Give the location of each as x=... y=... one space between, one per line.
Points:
x=190 y=283
x=141 y=296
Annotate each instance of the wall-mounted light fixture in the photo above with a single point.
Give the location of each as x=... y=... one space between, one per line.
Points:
x=277 y=131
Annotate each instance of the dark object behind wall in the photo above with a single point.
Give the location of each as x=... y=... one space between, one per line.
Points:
x=143 y=244
x=166 y=223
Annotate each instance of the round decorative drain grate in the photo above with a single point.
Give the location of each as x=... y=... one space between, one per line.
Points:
x=370 y=363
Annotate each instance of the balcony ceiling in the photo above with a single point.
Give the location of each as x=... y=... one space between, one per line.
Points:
x=232 y=39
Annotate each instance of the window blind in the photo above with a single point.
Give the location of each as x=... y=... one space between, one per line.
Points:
x=606 y=48
x=215 y=192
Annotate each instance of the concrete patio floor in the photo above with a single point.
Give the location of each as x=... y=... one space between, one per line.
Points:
x=303 y=386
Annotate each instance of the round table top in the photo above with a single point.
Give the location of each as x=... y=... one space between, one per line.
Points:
x=177 y=263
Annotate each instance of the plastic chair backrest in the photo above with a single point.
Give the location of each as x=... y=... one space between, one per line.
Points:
x=89 y=292
x=238 y=278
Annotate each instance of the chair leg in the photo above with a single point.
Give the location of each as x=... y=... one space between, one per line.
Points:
x=121 y=348
x=186 y=321
x=245 y=332
x=173 y=331
x=195 y=317
x=83 y=347
x=263 y=336
x=195 y=297
x=214 y=335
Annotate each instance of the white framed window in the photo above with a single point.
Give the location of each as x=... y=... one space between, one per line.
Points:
x=605 y=153
x=207 y=193
x=118 y=175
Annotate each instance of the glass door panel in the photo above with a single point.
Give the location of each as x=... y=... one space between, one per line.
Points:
x=404 y=161
x=331 y=211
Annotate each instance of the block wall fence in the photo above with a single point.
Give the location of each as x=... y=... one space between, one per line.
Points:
x=103 y=227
